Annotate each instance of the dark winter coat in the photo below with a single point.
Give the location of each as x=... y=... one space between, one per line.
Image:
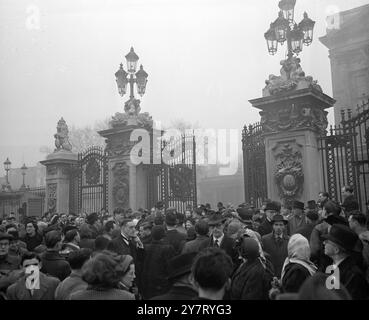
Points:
x=277 y=251
x=69 y=285
x=18 y=290
x=248 y=282
x=353 y=279
x=108 y=294
x=55 y=265
x=178 y=292
x=306 y=230
x=32 y=242
x=228 y=245
x=176 y=239
x=294 y=276
x=155 y=269
x=196 y=245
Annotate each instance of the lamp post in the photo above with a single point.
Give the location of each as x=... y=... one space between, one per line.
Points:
x=24 y=170
x=131 y=77
x=7 y=165
x=284 y=28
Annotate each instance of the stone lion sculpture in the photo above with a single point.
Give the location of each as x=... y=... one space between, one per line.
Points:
x=61 y=136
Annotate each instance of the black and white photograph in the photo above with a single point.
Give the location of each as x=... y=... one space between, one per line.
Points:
x=205 y=151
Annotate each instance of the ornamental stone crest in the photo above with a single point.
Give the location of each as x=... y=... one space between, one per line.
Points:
x=289 y=175
x=294 y=116
x=132 y=115
x=61 y=136
x=51 y=196
x=119 y=146
x=121 y=185
x=292 y=78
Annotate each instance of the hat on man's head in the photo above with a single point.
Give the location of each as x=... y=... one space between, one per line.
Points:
x=5 y=236
x=171 y=218
x=279 y=218
x=216 y=218
x=271 y=206
x=298 y=205
x=92 y=218
x=311 y=205
x=334 y=219
x=343 y=236
x=245 y=214
x=312 y=215
x=180 y=265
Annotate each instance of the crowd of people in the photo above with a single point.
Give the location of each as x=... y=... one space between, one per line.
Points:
x=296 y=251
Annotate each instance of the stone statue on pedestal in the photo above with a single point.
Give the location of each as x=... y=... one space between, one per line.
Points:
x=292 y=78
x=61 y=136
x=132 y=115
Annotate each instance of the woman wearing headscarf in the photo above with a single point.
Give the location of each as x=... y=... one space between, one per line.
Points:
x=297 y=267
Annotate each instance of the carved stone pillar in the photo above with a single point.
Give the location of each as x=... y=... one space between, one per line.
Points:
x=127 y=182
x=58 y=167
x=292 y=123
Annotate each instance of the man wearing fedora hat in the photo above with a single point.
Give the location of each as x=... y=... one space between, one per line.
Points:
x=217 y=237
x=179 y=271
x=271 y=209
x=275 y=243
x=298 y=217
x=339 y=245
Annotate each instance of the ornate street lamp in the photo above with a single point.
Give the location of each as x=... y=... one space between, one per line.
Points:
x=141 y=79
x=132 y=77
x=287 y=7
x=132 y=59
x=7 y=165
x=296 y=39
x=24 y=170
x=281 y=26
x=286 y=29
x=271 y=39
x=121 y=78
x=307 y=27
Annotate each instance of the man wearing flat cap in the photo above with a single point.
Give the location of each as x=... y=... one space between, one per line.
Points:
x=339 y=245
x=298 y=219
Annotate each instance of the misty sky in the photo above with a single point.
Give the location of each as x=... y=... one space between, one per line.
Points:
x=205 y=60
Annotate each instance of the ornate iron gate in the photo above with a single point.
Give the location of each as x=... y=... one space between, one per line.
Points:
x=345 y=155
x=90 y=181
x=254 y=164
x=174 y=180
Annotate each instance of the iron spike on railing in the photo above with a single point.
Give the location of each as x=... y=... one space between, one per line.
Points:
x=343 y=115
